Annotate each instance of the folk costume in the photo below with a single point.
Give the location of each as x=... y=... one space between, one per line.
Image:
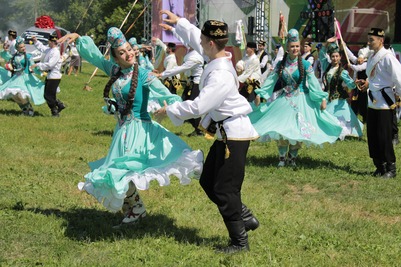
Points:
x=359 y=98
x=263 y=56
x=141 y=150
x=170 y=61
x=384 y=74
x=336 y=81
x=308 y=56
x=11 y=42
x=222 y=107
x=295 y=116
x=23 y=86
x=250 y=73
x=143 y=60
x=51 y=64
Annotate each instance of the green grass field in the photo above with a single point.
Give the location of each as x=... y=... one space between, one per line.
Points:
x=327 y=212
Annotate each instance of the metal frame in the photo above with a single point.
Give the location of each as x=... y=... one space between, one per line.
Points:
x=262 y=22
x=147 y=17
x=147 y=20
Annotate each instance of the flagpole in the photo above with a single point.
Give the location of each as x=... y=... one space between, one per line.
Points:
x=338 y=30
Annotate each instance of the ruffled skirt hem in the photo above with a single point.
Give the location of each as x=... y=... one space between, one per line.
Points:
x=188 y=166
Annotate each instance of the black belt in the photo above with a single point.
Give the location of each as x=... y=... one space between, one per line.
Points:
x=386 y=97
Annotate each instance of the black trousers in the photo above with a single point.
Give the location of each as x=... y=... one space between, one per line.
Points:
x=380 y=135
x=191 y=92
x=51 y=91
x=222 y=178
x=360 y=105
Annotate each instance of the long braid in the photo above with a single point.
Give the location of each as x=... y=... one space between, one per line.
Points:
x=107 y=88
x=132 y=91
x=301 y=70
x=282 y=65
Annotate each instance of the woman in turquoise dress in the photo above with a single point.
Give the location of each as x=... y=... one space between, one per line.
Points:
x=297 y=115
x=23 y=86
x=141 y=150
x=336 y=80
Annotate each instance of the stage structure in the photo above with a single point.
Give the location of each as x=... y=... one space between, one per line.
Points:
x=255 y=15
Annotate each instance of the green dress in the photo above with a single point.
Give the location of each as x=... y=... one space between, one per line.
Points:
x=23 y=82
x=141 y=149
x=295 y=114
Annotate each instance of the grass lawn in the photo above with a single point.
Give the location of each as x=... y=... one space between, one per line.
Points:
x=328 y=211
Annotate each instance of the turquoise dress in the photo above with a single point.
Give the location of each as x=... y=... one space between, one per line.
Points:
x=295 y=114
x=23 y=83
x=338 y=105
x=141 y=150
x=5 y=75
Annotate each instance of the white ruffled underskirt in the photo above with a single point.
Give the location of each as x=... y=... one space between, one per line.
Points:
x=188 y=166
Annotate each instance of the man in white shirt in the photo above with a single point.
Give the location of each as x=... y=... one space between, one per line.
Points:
x=222 y=107
x=51 y=64
x=170 y=62
x=10 y=43
x=308 y=55
x=384 y=73
x=250 y=72
x=263 y=56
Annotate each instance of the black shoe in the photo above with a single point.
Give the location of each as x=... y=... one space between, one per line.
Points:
x=60 y=105
x=250 y=221
x=195 y=133
x=391 y=171
x=251 y=225
x=55 y=112
x=238 y=236
x=380 y=168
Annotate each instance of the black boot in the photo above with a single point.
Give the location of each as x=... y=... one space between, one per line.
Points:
x=250 y=222
x=380 y=168
x=391 y=170
x=55 y=112
x=238 y=236
x=60 y=105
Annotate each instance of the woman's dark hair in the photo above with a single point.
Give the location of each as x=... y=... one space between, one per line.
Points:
x=132 y=90
x=300 y=68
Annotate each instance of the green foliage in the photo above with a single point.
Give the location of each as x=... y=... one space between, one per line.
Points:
x=79 y=16
x=328 y=211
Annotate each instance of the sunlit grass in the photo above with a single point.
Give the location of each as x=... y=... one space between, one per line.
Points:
x=328 y=211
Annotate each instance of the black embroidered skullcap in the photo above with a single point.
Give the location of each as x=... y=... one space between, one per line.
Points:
x=171 y=45
x=251 y=45
x=53 y=37
x=308 y=44
x=376 y=32
x=215 y=29
x=12 y=33
x=262 y=42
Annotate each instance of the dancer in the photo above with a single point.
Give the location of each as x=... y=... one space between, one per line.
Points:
x=141 y=150
x=384 y=74
x=223 y=107
x=51 y=63
x=192 y=66
x=359 y=103
x=249 y=72
x=23 y=86
x=297 y=115
x=337 y=82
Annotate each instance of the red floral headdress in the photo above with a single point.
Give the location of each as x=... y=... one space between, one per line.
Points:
x=44 y=22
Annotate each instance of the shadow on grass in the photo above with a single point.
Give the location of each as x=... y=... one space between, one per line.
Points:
x=18 y=113
x=104 y=132
x=95 y=225
x=305 y=163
